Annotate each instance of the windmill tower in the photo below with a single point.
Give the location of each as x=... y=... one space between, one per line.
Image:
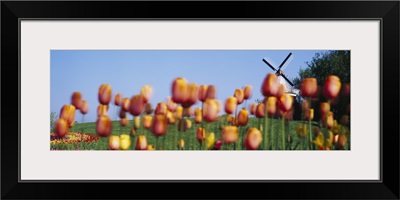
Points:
x=283 y=79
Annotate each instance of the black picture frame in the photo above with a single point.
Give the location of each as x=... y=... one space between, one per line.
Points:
x=386 y=11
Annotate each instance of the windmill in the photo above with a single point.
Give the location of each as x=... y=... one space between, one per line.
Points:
x=283 y=79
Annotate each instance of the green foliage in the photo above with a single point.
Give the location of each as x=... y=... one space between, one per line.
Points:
x=53 y=118
x=320 y=67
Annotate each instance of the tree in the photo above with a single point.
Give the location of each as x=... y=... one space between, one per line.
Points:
x=320 y=67
x=53 y=118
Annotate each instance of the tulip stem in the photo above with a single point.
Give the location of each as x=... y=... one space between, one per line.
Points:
x=309 y=123
x=283 y=132
x=155 y=146
x=175 y=136
x=265 y=130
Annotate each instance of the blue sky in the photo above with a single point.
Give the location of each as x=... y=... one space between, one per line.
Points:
x=128 y=70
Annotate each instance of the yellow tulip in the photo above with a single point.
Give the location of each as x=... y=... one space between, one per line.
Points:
x=146 y=92
x=125 y=142
x=136 y=122
x=113 y=142
x=210 y=140
x=147 y=121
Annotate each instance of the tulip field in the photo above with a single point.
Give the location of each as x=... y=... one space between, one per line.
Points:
x=130 y=122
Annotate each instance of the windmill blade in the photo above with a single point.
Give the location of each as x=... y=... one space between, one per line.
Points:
x=290 y=82
x=287 y=63
x=266 y=62
x=284 y=61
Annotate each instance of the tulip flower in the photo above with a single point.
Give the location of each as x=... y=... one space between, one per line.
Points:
x=188 y=112
x=200 y=134
x=239 y=95
x=159 y=126
x=170 y=117
x=305 y=105
x=282 y=88
x=210 y=140
x=260 y=110
x=122 y=113
x=340 y=141
x=118 y=99
x=320 y=141
x=211 y=92
x=141 y=143
x=104 y=94
x=124 y=121
x=218 y=145
x=210 y=112
x=61 y=127
x=103 y=126
x=310 y=114
x=253 y=139
x=113 y=142
x=179 y=90
x=171 y=105
x=328 y=120
x=192 y=95
x=147 y=121
x=285 y=103
x=243 y=117
x=271 y=105
x=203 y=93
x=181 y=144
x=102 y=109
x=309 y=87
x=253 y=108
x=230 y=105
x=301 y=130
x=346 y=90
x=324 y=108
x=197 y=116
x=248 y=90
x=125 y=142
x=161 y=109
x=178 y=113
x=136 y=122
x=126 y=104
x=146 y=93
x=332 y=87
x=150 y=148
x=336 y=128
x=270 y=85
x=136 y=105
x=84 y=107
x=230 y=134
x=68 y=113
x=188 y=124
x=147 y=109
x=76 y=100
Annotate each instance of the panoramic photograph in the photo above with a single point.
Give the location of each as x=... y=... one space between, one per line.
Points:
x=199 y=100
